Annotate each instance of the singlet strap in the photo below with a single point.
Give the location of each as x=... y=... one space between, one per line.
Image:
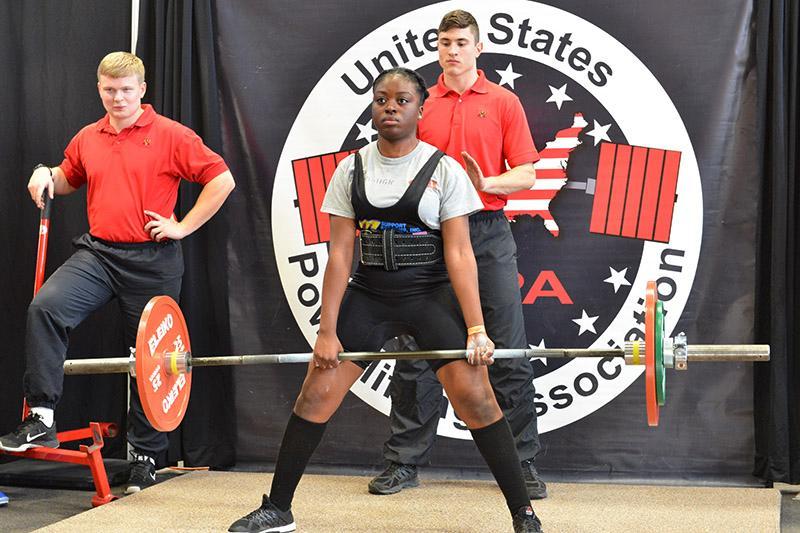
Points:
x=423 y=177
x=407 y=207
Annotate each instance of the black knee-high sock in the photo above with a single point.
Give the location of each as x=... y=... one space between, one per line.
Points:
x=300 y=440
x=496 y=444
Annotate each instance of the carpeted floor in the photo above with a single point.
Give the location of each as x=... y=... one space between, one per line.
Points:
x=210 y=501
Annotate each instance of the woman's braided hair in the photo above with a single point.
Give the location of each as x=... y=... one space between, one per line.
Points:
x=411 y=75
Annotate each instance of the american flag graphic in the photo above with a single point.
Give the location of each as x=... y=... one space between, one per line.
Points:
x=551 y=176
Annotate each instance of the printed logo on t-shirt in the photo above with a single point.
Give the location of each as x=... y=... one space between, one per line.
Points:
x=374 y=180
x=378 y=226
x=378 y=181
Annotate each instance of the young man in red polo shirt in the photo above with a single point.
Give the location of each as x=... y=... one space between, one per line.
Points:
x=482 y=124
x=131 y=161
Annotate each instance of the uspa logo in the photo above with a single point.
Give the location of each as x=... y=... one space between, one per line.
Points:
x=617 y=200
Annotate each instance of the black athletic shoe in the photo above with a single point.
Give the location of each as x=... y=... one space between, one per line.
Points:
x=31 y=433
x=526 y=521
x=266 y=518
x=537 y=490
x=395 y=478
x=143 y=472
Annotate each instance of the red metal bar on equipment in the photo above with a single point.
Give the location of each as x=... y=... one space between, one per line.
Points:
x=44 y=234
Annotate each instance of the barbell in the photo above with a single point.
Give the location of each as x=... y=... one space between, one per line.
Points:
x=162 y=360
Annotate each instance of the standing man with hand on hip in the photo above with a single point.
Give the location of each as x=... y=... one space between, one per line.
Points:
x=482 y=124
x=131 y=161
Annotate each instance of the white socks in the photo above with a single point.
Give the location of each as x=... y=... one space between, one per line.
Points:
x=46 y=415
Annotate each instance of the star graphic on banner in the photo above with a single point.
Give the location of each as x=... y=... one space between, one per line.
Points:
x=508 y=76
x=541 y=346
x=559 y=96
x=586 y=323
x=617 y=278
x=365 y=131
x=600 y=133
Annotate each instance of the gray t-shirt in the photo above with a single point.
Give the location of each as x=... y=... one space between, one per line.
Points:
x=449 y=194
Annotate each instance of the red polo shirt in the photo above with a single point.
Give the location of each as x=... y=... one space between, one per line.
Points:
x=136 y=169
x=487 y=121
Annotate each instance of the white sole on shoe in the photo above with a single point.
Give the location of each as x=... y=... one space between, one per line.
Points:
x=281 y=529
x=24 y=447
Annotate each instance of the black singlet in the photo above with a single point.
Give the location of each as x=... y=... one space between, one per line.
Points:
x=402 y=216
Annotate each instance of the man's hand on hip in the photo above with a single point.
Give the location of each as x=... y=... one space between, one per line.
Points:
x=161 y=228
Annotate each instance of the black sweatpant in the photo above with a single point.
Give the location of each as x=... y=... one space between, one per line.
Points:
x=96 y=273
x=415 y=391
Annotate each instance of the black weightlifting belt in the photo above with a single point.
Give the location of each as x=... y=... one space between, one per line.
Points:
x=394 y=250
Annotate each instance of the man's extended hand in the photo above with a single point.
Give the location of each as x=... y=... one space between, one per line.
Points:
x=161 y=228
x=474 y=172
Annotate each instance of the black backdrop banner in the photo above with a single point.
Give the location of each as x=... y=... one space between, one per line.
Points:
x=176 y=43
x=49 y=56
x=279 y=85
x=294 y=82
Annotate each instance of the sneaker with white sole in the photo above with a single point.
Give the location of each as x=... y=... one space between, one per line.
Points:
x=143 y=472
x=31 y=433
x=265 y=519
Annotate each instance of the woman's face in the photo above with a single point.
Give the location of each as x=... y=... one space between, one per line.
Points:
x=396 y=108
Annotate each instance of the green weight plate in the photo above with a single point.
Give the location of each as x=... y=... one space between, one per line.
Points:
x=661 y=375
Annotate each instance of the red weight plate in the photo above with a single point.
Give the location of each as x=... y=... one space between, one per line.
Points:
x=164 y=397
x=651 y=297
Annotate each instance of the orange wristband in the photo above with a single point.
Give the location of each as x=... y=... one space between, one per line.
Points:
x=476 y=329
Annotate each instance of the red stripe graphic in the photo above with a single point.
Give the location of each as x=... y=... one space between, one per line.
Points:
x=328 y=167
x=341 y=155
x=305 y=201
x=635 y=192
x=553 y=153
x=619 y=184
x=318 y=192
x=534 y=194
x=634 y=197
x=544 y=214
x=652 y=181
x=569 y=132
x=550 y=173
x=666 y=201
x=602 y=191
x=311 y=178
